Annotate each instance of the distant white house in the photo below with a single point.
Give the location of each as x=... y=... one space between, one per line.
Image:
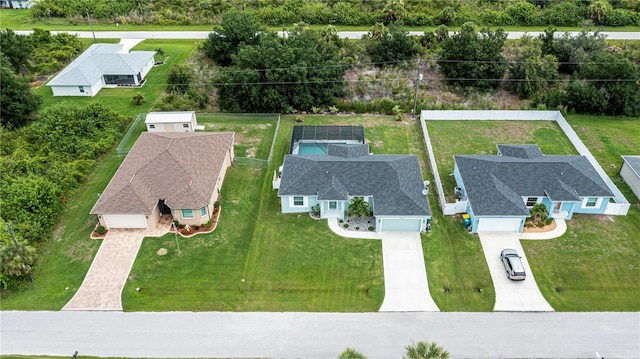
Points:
x=175 y=121
x=15 y=4
x=102 y=65
x=630 y=172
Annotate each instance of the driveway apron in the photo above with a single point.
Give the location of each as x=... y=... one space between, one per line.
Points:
x=518 y=296
x=102 y=287
x=405 y=276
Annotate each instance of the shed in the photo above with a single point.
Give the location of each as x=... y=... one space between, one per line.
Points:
x=173 y=121
x=630 y=172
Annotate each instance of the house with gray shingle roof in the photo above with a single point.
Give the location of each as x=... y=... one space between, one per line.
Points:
x=167 y=173
x=102 y=65
x=630 y=172
x=500 y=190
x=391 y=184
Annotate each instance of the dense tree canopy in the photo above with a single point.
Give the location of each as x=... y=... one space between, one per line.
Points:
x=472 y=59
x=282 y=74
x=16 y=49
x=237 y=29
x=390 y=46
x=531 y=72
x=19 y=104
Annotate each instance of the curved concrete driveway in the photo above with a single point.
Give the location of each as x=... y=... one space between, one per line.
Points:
x=511 y=295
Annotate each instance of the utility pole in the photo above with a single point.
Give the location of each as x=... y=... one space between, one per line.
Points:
x=15 y=243
x=415 y=93
x=91 y=26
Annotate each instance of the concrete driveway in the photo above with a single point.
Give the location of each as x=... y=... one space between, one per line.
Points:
x=511 y=295
x=405 y=277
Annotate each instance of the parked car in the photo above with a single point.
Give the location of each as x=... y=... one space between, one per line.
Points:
x=512 y=264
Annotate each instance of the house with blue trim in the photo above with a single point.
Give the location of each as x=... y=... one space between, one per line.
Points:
x=337 y=170
x=500 y=190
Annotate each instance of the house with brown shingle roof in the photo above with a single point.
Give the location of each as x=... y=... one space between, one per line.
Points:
x=167 y=173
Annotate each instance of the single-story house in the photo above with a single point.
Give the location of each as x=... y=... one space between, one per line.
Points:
x=500 y=190
x=170 y=173
x=630 y=172
x=391 y=184
x=102 y=65
x=171 y=121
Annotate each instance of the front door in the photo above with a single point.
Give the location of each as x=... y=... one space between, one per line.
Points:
x=164 y=209
x=556 y=208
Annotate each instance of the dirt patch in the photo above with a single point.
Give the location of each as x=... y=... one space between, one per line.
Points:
x=162 y=251
x=80 y=251
x=548 y=228
x=250 y=152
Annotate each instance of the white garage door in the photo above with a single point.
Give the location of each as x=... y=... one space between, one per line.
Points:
x=401 y=224
x=498 y=224
x=125 y=221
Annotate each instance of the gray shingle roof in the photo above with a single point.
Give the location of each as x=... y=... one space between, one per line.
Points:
x=634 y=163
x=98 y=60
x=496 y=184
x=522 y=151
x=179 y=167
x=394 y=181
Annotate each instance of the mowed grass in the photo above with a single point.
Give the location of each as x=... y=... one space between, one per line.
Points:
x=590 y=267
x=594 y=266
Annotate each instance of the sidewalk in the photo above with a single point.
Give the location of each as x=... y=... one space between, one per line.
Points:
x=561 y=228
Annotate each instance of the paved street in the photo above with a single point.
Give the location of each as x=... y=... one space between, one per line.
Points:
x=319 y=335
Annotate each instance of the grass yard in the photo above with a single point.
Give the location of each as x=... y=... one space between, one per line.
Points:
x=594 y=259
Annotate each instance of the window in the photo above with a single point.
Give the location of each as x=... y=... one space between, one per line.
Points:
x=203 y=211
x=185 y=125
x=152 y=126
x=590 y=202
x=333 y=205
x=298 y=201
x=531 y=201
x=187 y=213
x=81 y=88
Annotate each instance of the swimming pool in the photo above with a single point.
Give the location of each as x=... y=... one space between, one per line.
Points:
x=311 y=148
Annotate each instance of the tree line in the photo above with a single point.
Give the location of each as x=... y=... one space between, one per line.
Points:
x=351 y=13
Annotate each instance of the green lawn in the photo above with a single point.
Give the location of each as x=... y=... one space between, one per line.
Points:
x=593 y=259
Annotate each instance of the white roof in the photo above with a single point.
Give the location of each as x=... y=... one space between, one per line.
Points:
x=169 y=117
x=101 y=59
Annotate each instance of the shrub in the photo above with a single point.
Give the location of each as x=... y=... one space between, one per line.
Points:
x=566 y=13
x=138 y=99
x=346 y=225
x=371 y=228
x=334 y=110
x=101 y=230
x=523 y=13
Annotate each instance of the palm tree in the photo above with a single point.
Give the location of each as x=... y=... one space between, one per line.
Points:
x=425 y=350
x=539 y=211
x=351 y=353
x=358 y=207
x=598 y=10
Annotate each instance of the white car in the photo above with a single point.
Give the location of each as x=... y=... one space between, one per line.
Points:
x=512 y=264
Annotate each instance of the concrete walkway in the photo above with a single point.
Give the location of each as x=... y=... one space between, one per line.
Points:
x=101 y=289
x=561 y=228
x=405 y=277
x=511 y=295
x=129 y=44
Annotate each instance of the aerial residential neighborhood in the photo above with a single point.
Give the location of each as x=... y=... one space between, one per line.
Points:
x=320 y=179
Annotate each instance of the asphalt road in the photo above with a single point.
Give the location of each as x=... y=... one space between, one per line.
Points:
x=343 y=34
x=319 y=335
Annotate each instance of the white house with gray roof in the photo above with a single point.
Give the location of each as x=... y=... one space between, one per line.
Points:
x=391 y=184
x=630 y=172
x=102 y=65
x=500 y=190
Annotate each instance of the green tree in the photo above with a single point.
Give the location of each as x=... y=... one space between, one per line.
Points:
x=358 y=207
x=351 y=353
x=16 y=49
x=539 y=212
x=19 y=104
x=236 y=30
x=392 y=47
x=16 y=258
x=598 y=11
x=394 y=10
x=472 y=59
x=531 y=72
x=574 y=51
x=179 y=79
x=523 y=13
x=138 y=98
x=425 y=350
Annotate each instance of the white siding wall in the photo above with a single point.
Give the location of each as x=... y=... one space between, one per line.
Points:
x=631 y=178
x=75 y=90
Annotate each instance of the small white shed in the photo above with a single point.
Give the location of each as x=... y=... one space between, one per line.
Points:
x=173 y=121
x=630 y=172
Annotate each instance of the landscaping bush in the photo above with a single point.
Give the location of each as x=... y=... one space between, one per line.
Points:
x=101 y=230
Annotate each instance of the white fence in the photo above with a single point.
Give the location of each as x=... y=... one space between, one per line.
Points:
x=621 y=205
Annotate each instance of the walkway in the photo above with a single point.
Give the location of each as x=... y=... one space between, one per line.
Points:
x=101 y=289
x=318 y=335
x=405 y=276
x=511 y=295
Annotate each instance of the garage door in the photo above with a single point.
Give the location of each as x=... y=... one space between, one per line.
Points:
x=125 y=221
x=400 y=224
x=498 y=225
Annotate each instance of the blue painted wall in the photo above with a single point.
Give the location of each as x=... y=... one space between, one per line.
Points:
x=286 y=208
x=577 y=208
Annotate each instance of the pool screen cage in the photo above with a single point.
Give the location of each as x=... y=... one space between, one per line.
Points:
x=326 y=134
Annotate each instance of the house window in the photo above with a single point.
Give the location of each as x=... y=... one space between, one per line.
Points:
x=81 y=88
x=203 y=211
x=187 y=213
x=531 y=201
x=152 y=126
x=298 y=201
x=185 y=125
x=590 y=202
x=333 y=205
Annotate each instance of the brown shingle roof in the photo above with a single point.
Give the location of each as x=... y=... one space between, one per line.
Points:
x=180 y=167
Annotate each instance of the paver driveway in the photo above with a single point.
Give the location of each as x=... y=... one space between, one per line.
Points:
x=511 y=295
x=101 y=289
